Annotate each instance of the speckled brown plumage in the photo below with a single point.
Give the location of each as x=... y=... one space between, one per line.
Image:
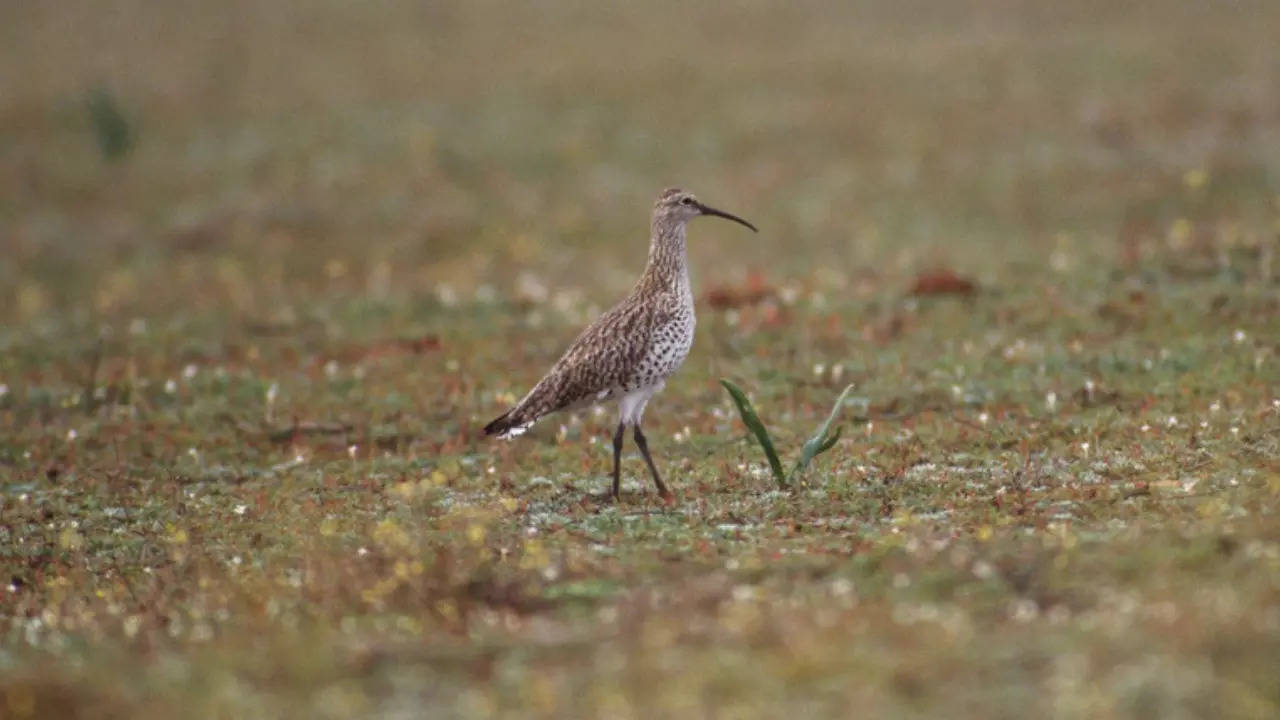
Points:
x=628 y=352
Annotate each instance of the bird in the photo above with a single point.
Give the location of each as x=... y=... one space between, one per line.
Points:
x=628 y=353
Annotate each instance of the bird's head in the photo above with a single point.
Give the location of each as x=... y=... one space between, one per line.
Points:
x=675 y=206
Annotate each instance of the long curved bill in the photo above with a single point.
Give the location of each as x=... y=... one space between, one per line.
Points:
x=708 y=210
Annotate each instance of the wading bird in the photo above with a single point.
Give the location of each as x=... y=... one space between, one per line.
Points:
x=629 y=352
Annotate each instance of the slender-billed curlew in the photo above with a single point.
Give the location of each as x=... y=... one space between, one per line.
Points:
x=629 y=352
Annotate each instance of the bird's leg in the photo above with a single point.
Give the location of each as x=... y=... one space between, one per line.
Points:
x=644 y=450
x=617 y=460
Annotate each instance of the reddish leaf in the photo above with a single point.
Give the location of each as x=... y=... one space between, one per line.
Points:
x=383 y=348
x=942 y=282
x=755 y=290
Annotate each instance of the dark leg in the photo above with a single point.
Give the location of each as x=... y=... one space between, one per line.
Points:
x=644 y=450
x=617 y=460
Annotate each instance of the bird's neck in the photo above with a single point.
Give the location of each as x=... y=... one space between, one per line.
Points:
x=668 y=266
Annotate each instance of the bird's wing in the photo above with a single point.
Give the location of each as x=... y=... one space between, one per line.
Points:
x=597 y=364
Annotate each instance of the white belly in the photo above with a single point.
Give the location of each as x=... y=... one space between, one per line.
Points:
x=631 y=405
x=668 y=348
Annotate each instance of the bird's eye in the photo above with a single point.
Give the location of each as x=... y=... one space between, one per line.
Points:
x=686 y=201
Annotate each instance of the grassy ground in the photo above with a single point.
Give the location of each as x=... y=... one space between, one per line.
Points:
x=243 y=366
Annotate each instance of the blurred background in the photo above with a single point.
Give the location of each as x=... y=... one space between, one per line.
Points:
x=202 y=156
x=266 y=268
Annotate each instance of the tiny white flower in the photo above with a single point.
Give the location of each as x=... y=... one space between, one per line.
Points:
x=1084 y=447
x=984 y=418
x=1172 y=421
x=331 y=369
x=4 y=390
x=819 y=369
x=190 y=371
x=241 y=509
x=1025 y=610
x=1239 y=336
x=352 y=450
x=71 y=435
x=1235 y=430
x=272 y=392
x=171 y=386
x=1144 y=428
x=362 y=551
x=1051 y=400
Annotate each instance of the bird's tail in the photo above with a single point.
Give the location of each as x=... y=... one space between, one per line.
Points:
x=546 y=397
x=509 y=424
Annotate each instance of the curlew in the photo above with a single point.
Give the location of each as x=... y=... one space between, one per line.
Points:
x=628 y=353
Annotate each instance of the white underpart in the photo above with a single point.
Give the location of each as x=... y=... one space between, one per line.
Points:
x=631 y=406
x=515 y=431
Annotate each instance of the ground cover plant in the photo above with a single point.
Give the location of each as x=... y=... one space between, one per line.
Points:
x=268 y=267
x=821 y=441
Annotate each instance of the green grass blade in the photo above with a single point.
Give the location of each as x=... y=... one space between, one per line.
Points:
x=822 y=440
x=753 y=423
x=831 y=441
